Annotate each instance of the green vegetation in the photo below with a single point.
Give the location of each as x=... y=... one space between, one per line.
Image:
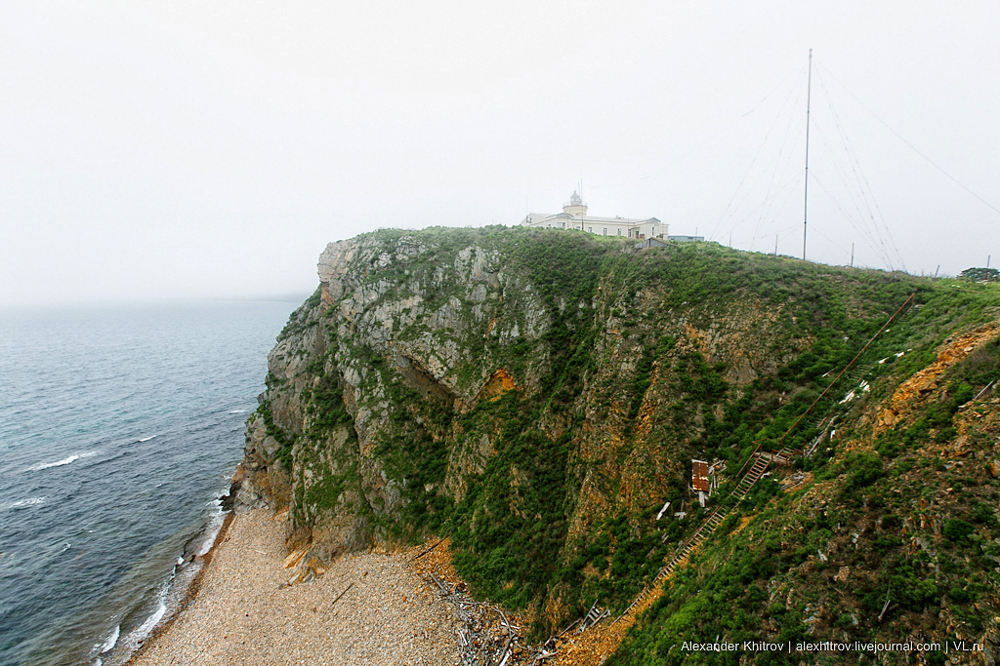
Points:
x=298 y=321
x=980 y=274
x=627 y=365
x=284 y=454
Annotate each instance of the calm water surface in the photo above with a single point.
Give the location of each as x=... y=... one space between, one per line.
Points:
x=119 y=429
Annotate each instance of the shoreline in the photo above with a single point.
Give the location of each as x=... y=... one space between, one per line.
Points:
x=189 y=594
x=368 y=608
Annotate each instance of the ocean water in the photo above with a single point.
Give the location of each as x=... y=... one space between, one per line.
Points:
x=119 y=430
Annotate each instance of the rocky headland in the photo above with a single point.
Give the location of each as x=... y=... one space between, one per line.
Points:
x=538 y=397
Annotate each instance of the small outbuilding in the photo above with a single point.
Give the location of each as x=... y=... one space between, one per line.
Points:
x=648 y=243
x=699 y=480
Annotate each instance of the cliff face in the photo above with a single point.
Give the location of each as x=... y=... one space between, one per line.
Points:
x=400 y=323
x=538 y=396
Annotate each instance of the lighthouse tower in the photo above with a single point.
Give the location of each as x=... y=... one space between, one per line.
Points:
x=575 y=207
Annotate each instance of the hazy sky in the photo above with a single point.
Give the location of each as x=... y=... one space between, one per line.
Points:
x=213 y=149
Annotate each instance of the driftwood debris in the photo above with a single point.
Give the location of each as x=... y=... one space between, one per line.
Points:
x=887 y=608
x=427 y=550
x=341 y=594
x=487 y=636
x=440 y=585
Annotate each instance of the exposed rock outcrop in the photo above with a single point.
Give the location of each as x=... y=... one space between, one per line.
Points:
x=538 y=396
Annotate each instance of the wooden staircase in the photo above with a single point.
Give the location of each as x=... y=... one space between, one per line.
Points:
x=742 y=489
x=706 y=529
x=594 y=615
x=756 y=472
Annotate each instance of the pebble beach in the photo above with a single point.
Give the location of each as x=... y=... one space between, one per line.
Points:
x=368 y=609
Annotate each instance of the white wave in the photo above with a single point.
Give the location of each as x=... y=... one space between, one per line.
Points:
x=139 y=634
x=237 y=411
x=20 y=504
x=146 y=439
x=112 y=640
x=215 y=522
x=152 y=620
x=59 y=463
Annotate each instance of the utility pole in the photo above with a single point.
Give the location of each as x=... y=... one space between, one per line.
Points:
x=805 y=198
x=776 y=245
x=936 y=270
x=852 y=255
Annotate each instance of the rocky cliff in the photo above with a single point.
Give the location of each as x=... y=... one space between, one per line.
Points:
x=539 y=397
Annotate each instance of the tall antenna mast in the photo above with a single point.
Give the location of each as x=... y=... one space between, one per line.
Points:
x=805 y=198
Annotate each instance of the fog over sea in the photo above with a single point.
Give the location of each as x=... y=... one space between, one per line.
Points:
x=119 y=430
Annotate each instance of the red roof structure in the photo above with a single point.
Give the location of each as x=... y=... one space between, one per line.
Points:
x=699 y=476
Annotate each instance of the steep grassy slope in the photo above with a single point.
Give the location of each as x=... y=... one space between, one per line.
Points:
x=539 y=395
x=893 y=536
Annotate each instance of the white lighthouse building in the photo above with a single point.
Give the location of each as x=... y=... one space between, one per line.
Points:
x=574 y=216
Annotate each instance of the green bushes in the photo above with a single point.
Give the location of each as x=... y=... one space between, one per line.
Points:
x=642 y=371
x=414 y=451
x=284 y=452
x=699 y=381
x=957 y=530
x=327 y=408
x=297 y=321
x=979 y=368
x=514 y=517
x=863 y=470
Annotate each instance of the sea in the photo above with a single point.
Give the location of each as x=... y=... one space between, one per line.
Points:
x=120 y=427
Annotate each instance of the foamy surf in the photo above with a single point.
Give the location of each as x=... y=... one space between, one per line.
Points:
x=214 y=525
x=161 y=609
x=170 y=595
x=134 y=639
x=237 y=411
x=112 y=640
x=21 y=504
x=59 y=463
x=102 y=504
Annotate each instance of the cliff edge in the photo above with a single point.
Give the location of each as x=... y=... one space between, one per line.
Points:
x=539 y=396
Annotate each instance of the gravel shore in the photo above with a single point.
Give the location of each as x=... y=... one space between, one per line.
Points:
x=242 y=614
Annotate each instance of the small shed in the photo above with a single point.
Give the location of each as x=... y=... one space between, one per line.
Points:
x=700 y=481
x=648 y=243
x=699 y=476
